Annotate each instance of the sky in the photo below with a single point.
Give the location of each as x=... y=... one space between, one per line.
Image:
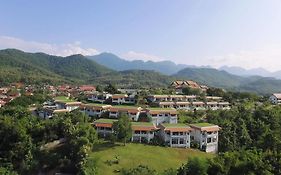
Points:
x=245 y=33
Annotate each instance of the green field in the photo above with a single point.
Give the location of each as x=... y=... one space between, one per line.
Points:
x=132 y=155
x=63 y=99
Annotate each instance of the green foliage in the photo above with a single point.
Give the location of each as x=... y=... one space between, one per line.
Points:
x=190 y=91
x=18 y=66
x=143 y=117
x=122 y=128
x=195 y=166
x=243 y=162
x=110 y=88
x=244 y=128
x=140 y=170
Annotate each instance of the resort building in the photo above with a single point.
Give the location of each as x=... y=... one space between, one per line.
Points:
x=163 y=115
x=99 y=97
x=94 y=110
x=206 y=135
x=104 y=127
x=175 y=135
x=275 y=98
x=132 y=111
x=143 y=132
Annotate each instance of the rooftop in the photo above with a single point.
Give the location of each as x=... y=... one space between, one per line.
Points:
x=177 y=125
x=199 y=125
x=105 y=121
x=142 y=124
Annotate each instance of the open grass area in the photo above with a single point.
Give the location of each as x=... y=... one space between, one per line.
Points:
x=63 y=99
x=132 y=155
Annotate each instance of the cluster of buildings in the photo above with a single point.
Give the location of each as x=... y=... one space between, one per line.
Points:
x=61 y=104
x=8 y=93
x=205 y=135
x=179 y=85
x=147 y=123
x=188 y=102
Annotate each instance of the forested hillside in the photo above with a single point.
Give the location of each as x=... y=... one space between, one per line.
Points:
x=223 y=79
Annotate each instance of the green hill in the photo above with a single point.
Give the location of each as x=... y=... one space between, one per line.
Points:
x=135 y=79
x=16 y=65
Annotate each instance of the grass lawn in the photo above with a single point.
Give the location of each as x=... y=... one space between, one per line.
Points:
x=64 y=99
x=132 y=155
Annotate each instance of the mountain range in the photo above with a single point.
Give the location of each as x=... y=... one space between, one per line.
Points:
x=169 y=68
x=16 y=65
x=116 y=63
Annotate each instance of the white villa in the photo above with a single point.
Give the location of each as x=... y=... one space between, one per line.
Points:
x=206 y=135
x=169 y=98
x=99 y=97
x=275 y=98
x=159 y=115
x=132 y=111
x=188 y=102
x=143 y=132
x=104 y=127
x=175 y=135
x=70 y=106
x=48 y=113
x=94 y=110
x=183 y=105
x=198 y=105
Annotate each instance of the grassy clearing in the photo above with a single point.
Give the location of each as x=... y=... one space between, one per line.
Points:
x=64 y=99
x=132 y=155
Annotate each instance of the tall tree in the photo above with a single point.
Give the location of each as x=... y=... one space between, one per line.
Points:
x=122 y=128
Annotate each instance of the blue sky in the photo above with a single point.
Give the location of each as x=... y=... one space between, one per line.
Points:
x=244 y=33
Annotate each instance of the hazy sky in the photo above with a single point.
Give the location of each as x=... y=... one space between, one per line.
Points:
x=244 y=33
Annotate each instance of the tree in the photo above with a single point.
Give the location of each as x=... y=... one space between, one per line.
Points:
x=139 y=170
x=190 y=91
x=110 y=88
x=195 y=166
x=122 y=128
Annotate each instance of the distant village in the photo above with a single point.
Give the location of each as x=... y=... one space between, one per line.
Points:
x=157 y=117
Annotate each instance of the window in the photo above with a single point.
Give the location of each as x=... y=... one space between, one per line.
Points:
x=209 y=140
x=181 y=141
x=137 y=132
x=175 y=133
x=214 y=139
x=174 y=141
x=192 y=137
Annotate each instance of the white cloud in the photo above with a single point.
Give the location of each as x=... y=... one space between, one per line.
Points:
x=268 y=57
x=53 y=49
x=132 y=55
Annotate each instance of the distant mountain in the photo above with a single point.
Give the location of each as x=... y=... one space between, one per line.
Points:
x=249 y=72
x=116 y=63
x=135 y=79
x=223 y=79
